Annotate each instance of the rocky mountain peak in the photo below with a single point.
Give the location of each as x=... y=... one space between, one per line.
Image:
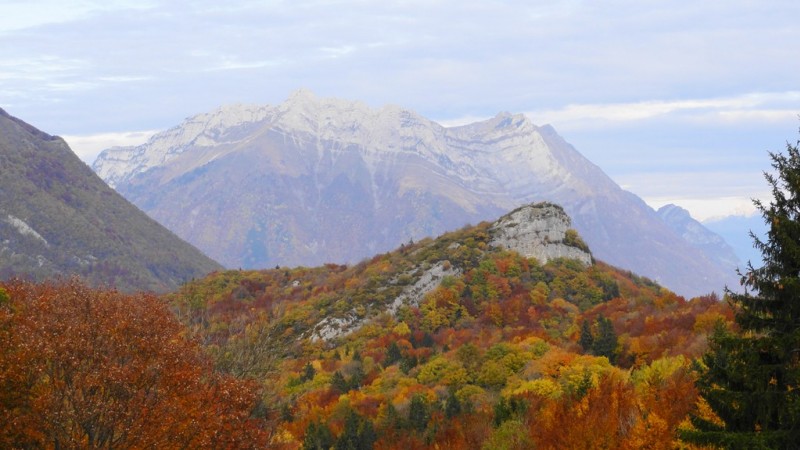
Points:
x=351 y=121
x=508 y=120
x=222 y=125
x=673 y=213
x=301 y=96
x=541 y=231
x=329 y=180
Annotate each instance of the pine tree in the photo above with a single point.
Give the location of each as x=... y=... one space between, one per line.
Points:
x=418 y=413
x=286 y=413
x=393 y=354
x=308 y=372
x=348 y=440
x=452 y=406
x=751 y=377
x=356 y=379
x=605 y=344
x=408 y=363
x=318 y=437
x=338 y=383
x=587 y=339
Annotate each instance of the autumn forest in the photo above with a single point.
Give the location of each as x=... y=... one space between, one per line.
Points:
x=510 y=354
x=502 y=352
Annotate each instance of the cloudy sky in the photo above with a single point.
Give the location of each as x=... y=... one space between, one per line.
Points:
x=678 y=101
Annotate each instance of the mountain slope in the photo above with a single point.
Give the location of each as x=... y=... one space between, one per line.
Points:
x=699 y=236
x=736 y=231
x=58 y=218
x=326 y=180
x=447 y=342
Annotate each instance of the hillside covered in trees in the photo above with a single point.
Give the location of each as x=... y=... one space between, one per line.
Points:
x=59 y=219
x=504 y=352
x=450 y=342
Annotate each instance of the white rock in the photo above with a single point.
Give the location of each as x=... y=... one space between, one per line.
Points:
x=537 y=231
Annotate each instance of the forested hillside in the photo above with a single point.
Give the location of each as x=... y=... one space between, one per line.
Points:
x=452 y=342
x=57 y=218
x=504 y=353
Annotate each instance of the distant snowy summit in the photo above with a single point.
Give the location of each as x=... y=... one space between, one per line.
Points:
x=315 y=180
x=377 y=132
x=118 y=164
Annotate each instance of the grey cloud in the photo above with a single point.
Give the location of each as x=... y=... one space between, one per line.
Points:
x=124 y=67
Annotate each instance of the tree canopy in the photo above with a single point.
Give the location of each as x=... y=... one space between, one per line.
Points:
x=86 y=368
x=751 y=377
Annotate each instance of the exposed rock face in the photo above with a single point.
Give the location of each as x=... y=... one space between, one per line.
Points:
x=226 y=124
x=315 y=180
x=430 y=279
x=540 y=231
x=334 y=327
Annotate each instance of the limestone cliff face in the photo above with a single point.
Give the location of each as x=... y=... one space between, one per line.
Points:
x=540 y=231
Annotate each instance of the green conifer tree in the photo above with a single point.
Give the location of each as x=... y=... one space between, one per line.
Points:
x=338 y=383
x=318 y=437
x=605 y=344
x=751 y=377
x=393 y=354
x=587 y=339
x=358 y=433
x=418 y=413
x=452 y=406
x=308 y=372
x=357 y=378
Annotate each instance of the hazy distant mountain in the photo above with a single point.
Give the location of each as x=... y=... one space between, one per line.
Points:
x=711 y=243
x=326 y=180
x=58 y=218
x=735 y=230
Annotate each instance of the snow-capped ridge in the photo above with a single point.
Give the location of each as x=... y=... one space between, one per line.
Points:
x=388 y=129
x=119 y=164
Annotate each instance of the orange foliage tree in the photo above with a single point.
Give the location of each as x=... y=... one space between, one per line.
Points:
x=85 y=368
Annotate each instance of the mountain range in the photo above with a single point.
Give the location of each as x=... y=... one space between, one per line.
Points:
x=315 y=180
x=58 y=218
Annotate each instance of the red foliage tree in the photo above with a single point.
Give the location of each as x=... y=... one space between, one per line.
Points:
x=85 y=368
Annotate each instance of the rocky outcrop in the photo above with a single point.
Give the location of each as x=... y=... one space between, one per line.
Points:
x=335 y=327
x=540 y=231
x=430 y=279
